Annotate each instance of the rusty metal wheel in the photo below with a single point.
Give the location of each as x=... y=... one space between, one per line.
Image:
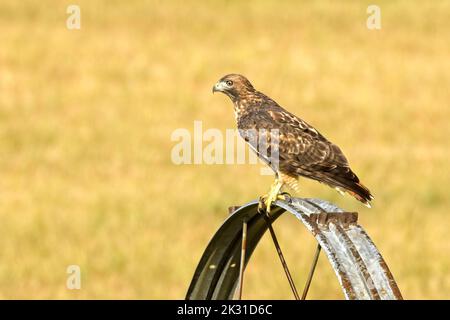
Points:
x=358 y=265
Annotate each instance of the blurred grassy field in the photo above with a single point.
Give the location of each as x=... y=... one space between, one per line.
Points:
x=86 y=117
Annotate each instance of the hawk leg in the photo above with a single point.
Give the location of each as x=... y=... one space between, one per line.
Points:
x=265 y=202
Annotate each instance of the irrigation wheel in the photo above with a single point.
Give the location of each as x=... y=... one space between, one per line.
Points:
x=358 y=265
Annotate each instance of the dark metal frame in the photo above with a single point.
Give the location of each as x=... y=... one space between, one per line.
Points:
x=359 y=267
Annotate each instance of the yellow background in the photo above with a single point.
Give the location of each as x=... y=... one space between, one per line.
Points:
x=86 y=117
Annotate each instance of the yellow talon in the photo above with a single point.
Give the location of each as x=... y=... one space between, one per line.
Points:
x=266 y=201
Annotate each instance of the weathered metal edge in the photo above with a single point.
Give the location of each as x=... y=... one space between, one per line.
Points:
x=220 y=282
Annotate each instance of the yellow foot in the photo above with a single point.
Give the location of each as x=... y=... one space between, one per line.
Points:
x=265 y=202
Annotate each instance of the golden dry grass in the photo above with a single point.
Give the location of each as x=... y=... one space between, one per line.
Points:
x=86 y=118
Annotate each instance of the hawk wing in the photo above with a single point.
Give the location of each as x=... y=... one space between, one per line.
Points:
x=302 y=147
x=303 y=151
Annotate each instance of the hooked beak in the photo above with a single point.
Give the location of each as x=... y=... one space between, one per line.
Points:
x=219 y=86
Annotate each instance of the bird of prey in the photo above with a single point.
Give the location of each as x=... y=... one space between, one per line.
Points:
x=302 y=150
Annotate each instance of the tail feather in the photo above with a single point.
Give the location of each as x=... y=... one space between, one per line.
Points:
x=350 y=183
x=360 y=192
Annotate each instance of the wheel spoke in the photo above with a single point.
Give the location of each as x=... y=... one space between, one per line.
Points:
x=311 y=272
x=283 y=261
x=243 y=254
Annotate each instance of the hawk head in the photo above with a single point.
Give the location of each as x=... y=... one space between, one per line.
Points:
x=234 y=86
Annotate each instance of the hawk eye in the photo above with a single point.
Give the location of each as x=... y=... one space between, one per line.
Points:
x=229 y=83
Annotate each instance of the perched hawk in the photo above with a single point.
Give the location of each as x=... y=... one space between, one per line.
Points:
x=302 y=150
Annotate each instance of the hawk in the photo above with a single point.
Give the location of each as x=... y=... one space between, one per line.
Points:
x=302 y=150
